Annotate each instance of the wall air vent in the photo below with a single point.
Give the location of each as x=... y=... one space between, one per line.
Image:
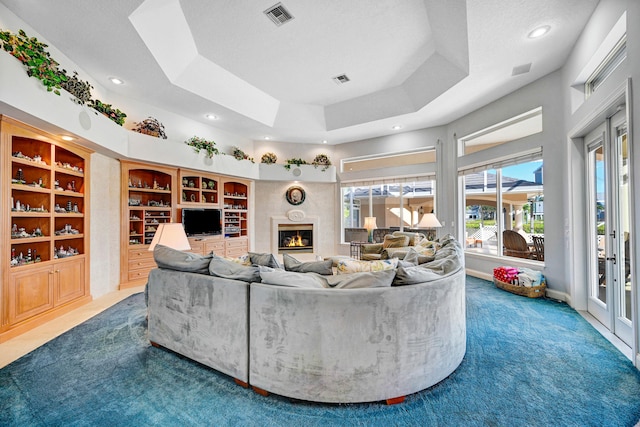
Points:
x=278 y=14
x=521 y=69
x=341 y=79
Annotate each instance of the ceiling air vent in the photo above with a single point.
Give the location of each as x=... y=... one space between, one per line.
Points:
x=278 y=14
x=341 y=79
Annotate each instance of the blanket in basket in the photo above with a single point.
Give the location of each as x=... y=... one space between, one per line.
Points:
x=519 y=276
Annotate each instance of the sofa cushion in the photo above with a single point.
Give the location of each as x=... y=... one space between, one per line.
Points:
x=370 y=279
x=391 y=241
x=320 y=267
x=264 y=259
x=276 y=276
x=348 y=266
x=226 y=269
x=174 y=259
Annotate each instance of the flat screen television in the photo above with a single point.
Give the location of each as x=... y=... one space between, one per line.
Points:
x=202 y=221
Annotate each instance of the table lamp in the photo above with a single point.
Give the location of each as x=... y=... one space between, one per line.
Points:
x=370 y=225
x=170 y=234
x=429 y=221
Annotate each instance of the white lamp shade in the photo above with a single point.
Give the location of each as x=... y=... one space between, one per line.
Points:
x=429 y=220
x=370 y=223
x=170 y=234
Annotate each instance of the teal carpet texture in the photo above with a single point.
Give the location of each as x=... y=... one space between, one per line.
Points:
x=529 y=362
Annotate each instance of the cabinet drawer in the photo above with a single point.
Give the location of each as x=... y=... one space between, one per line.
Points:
x=235 y=253
x=237 y=243
x=197 y=246
x=142 y=263
x=140 y=253
x=217 y=247
x=138 y=274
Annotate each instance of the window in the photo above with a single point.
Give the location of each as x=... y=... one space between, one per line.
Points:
x=380 y=161
x=509 y=197
x=606 y=68
x=528 y=123
x=396 y=204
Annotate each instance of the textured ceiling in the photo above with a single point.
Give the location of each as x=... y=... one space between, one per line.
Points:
x=416 y=63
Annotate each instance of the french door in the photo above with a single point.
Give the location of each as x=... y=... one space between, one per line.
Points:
x=609 y=226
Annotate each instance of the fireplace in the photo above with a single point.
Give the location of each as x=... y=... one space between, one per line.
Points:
x=296 y=238
x=290 y=226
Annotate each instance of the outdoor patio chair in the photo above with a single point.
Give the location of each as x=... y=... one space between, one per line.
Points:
x=515 y=245
x=538 y=244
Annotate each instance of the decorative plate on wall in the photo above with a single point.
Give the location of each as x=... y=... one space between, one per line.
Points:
x=295 y=195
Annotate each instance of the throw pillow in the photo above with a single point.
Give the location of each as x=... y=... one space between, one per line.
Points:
x=174 y=259
x=264 y=259
x=411 y=256
x=242 y=259
x=414 y=238
x=226 y=269
x=348 y=266
x=391 y=241
x=274 y=276
x=371 y=279
x=320 y=267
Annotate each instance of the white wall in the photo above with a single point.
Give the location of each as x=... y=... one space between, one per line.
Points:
x=104 y=196
x=321 y=200
x=543 y=92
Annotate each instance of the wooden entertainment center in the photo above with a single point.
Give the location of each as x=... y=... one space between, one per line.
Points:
x=155 y=194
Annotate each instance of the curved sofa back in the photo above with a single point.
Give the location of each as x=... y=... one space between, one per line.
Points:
x=356 y=345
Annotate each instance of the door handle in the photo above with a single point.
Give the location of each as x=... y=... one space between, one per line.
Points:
x=613 y=258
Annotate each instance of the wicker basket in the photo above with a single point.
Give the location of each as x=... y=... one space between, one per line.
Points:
x=531 y=292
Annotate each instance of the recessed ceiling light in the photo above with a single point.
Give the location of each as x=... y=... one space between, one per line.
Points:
x=396 y=127
x=67 y=138
x=539 y=32
x=267 y=138
x=324 y=141
x=116 y=81
x=211 y=117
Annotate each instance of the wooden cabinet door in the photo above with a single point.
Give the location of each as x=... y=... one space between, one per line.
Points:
x=69 y=280
x=30 y=293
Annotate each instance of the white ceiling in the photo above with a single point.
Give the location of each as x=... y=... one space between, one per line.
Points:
x=416 y=63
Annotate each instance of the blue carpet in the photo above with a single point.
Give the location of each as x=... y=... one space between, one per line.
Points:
x=528 y=363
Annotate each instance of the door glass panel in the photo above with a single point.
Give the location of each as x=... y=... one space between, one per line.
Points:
x=624 y=196
x=599 y=214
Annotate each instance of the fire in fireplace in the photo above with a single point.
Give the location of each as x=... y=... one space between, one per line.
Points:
x=295 y=238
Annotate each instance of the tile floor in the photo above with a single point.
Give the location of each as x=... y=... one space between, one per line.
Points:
x=19 y=346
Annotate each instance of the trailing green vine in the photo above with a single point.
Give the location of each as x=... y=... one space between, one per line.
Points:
x=202 y=144
x=241 y=155
x=35 y=58
x=39 y=64
x=107 y=109
x=294 y=161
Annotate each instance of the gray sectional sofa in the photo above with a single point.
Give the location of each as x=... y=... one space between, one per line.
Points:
x=312 y=337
